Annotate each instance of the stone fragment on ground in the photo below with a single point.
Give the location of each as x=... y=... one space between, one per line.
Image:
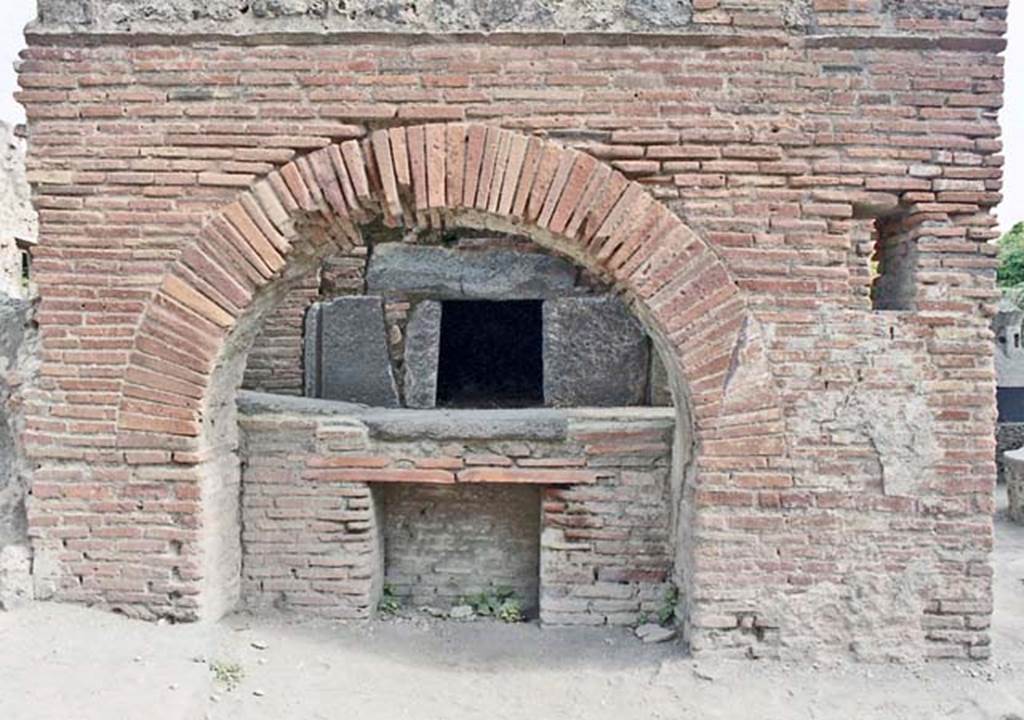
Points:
x=461 y=612
x=653 y=633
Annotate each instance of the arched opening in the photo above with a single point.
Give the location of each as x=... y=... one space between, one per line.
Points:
x=549 y=481
x=212 y=303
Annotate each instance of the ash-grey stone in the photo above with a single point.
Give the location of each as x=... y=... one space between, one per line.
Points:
x=402 y=424
x=446 y=274
x=251 y=402
x=660 y=13
x=652 y=633
x=595 y=353
x=14 y=318
x=532 y=424
x=422 y=350
x=15 y=576
x=659 y=390
x=345 y=352
x=1014 y=473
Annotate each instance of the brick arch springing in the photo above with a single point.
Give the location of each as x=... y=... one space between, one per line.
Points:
x=429 y=176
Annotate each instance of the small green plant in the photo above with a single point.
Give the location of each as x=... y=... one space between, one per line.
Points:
x=667 y=611
x=228 y=674
x=510 y=611
x=500 y=603
x=389 y=604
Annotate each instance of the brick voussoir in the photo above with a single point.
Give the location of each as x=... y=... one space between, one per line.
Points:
x=355 y=163
x=531 y=161
x=259 y=217
x=547 y=167
x=312 y=184
x=296 y=186
x=344 y=182
x=222 y=228
x=436 y=146
x=579 y=179
x=455 y=167
x=323 y=170
x=557 y=188
x=380 y=142
x=177 y=289
x=476 y=139
x=510 y=183
x=500 y=167
x=487 y=162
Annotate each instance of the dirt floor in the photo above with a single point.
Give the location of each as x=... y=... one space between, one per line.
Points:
x=68 y=663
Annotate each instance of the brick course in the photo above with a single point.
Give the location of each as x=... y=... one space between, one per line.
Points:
x=729 y=188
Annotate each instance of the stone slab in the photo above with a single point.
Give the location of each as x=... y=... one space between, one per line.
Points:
x=345 y=352
x=659 y=390
x=446 y=274
x=404 y=424
x=595 y=353
x=422 y=352
x=1014 y=473
x=532 y=424
x=14 y=318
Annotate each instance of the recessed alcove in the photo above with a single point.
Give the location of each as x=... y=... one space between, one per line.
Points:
x=491 y=354
x=443 y=449
x=444 y=543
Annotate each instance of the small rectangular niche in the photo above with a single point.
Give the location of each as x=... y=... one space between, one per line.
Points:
x=443 y=543
x=893 y=264
x=491 y=354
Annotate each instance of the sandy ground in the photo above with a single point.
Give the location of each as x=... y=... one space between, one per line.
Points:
x=68 y=663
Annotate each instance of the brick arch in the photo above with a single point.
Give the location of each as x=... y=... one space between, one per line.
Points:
x=426 y=175
x=189 y=351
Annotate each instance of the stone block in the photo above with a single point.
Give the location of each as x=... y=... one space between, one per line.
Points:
x=1014 y=473
x=660 y=390
x=14 y=319
x=15 y=576
x=446 y=274
x=595 y=353
x=345 y=352
x=422 y=351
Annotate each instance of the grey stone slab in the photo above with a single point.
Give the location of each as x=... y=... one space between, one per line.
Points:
x=446 y=274
x=251 y=402
x=595 y=353
x=532 y=424
x=1014 y=460
x=345 y=352
x=422 y=351
x=14 y=320
x=659 y=389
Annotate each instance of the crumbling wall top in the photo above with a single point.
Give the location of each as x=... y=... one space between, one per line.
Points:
x=985 y=18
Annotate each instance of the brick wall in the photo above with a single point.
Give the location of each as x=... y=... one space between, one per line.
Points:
x=335 y=505
x=444 y=543
x=841 y=452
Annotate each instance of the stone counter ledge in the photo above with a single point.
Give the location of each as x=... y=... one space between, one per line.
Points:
x=450 y=424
